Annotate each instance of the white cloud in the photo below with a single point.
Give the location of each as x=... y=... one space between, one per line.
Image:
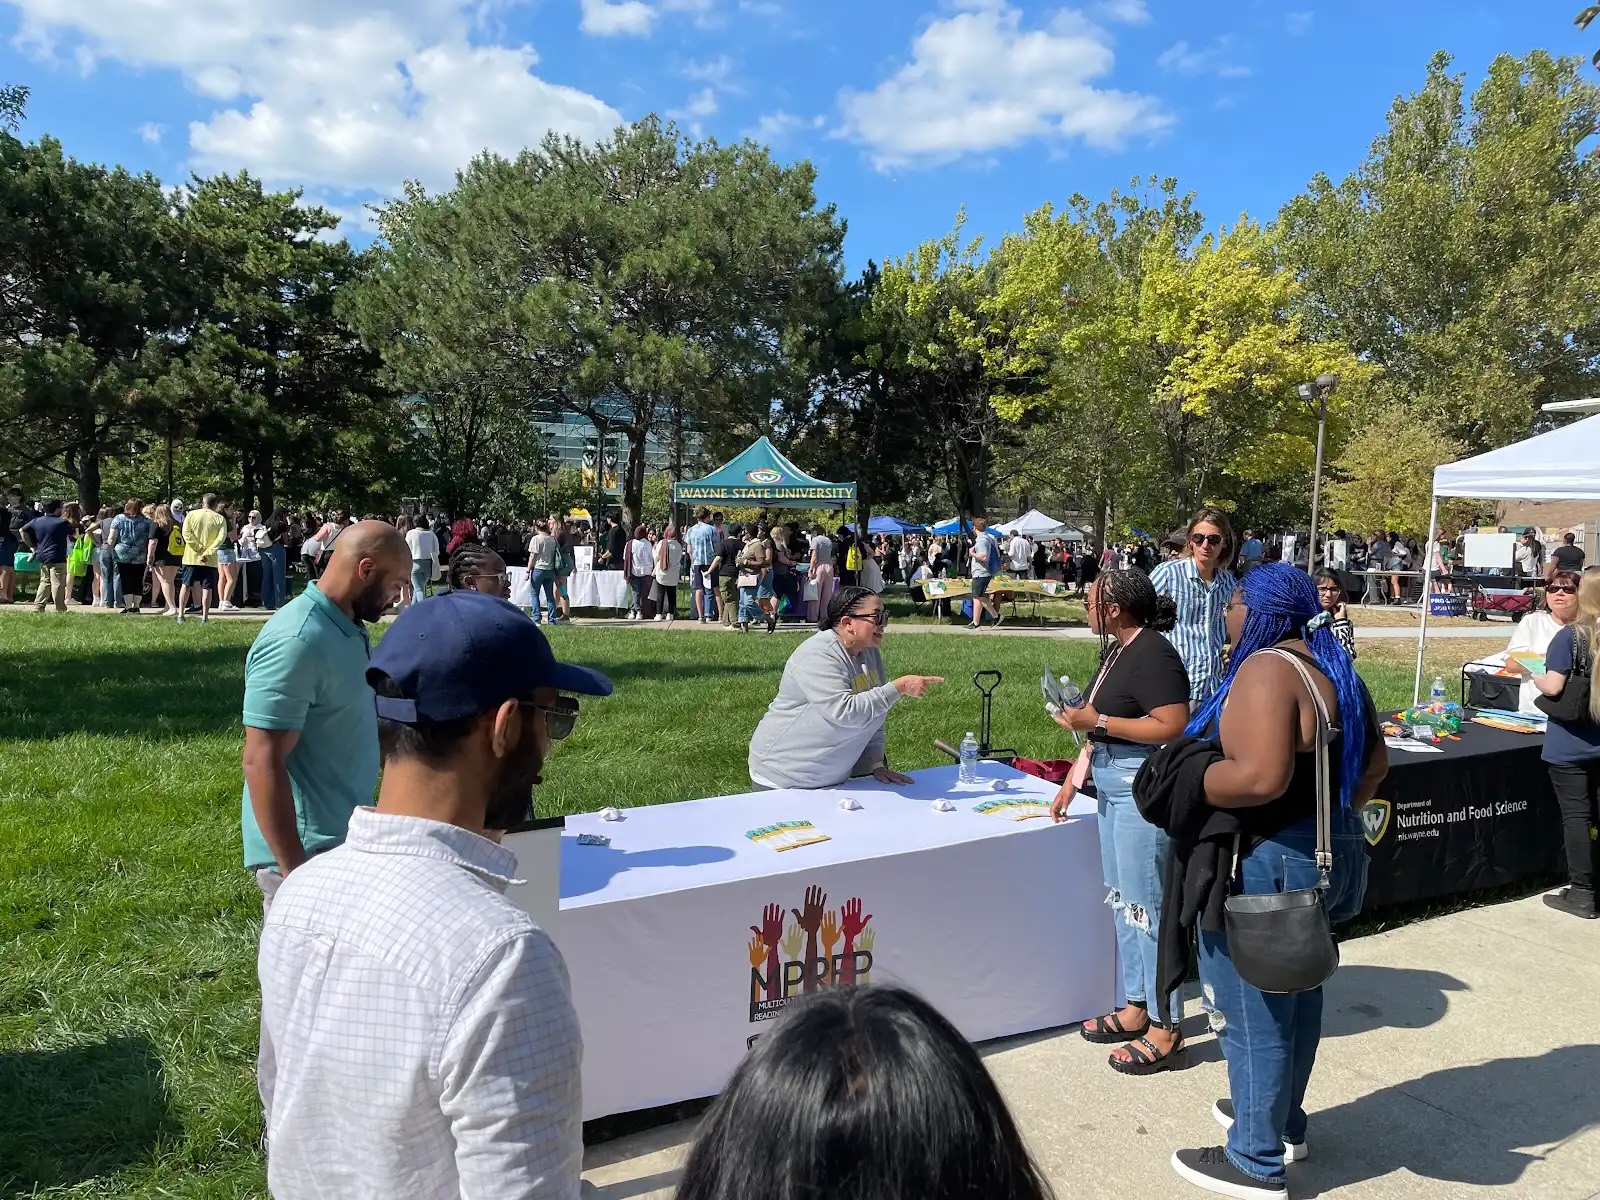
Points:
x=776 y=126
x=349 y=95
x=715 y=71
x=617 y=18
x=151 y=134
x=978 y=81
x=1214 y=59
x=1297 y=23
x=1127 y=12
x=761 y=8
x=702 y=104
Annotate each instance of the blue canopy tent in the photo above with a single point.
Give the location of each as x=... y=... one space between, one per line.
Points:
x=953 y=525
x=760 y=475
x=891 y=526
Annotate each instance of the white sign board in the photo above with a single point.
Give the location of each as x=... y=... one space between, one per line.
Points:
x=1490 y=551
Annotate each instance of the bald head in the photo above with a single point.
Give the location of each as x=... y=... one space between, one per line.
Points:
x=369 y=565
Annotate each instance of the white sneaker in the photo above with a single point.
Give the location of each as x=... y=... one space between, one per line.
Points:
x=227 y=606
x=169 y=612
x=659 y=617
x=1293 y=1152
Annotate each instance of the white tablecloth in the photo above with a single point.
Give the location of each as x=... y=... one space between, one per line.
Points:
x=586 y=589
x=1002 y=925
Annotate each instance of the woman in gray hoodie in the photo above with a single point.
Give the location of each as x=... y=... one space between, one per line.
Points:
x=826 y=723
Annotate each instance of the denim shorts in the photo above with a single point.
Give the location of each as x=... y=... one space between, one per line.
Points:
x=226 y=558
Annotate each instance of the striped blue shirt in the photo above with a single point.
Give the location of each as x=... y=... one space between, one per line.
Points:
x=1201 y=631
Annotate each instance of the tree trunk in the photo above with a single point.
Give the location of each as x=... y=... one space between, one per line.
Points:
x=633 y=475
x=266 y=483
x=89 y=481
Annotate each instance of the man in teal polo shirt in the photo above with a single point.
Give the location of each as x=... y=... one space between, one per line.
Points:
x=310 y=726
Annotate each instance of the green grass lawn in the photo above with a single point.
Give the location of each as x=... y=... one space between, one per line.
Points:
x=128 y=927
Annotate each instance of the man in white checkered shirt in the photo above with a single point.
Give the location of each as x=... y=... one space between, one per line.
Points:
x=418 y=1035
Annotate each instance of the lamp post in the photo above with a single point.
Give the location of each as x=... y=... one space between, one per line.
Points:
x=1318 y=391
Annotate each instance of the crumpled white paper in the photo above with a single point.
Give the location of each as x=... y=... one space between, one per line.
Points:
x=849 y=803
x=611 y=814
x=943 y=806
x=1000 y=785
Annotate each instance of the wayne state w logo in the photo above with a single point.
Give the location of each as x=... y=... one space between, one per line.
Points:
x=1375 y=820
x=822 y=946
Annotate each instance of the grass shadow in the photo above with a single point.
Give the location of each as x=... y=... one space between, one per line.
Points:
x=161 y=692
x=79 y=1113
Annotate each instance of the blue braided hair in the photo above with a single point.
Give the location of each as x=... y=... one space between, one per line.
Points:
x=1283 y=602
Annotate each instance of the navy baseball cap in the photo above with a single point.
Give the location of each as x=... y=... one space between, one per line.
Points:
x=466 y=653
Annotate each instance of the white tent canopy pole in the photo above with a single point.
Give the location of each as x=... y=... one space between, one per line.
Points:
x=1562 y=464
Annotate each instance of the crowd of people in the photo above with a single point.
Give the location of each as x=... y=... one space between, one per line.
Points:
x=1230 y=743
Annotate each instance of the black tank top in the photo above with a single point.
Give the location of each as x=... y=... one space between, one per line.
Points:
x=1299 y=799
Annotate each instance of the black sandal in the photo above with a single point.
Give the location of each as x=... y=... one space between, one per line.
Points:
x=1111 y=1029
x=1149 y=1060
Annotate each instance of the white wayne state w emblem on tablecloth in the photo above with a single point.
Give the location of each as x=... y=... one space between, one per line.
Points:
x=1375 y=820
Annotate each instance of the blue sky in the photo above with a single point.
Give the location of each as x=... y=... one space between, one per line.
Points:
x=910 y=110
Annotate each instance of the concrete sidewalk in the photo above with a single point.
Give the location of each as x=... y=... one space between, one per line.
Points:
x=1459 y=1058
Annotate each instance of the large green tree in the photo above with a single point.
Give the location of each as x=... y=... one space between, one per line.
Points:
x=13 y=103
x=95 y=302
x=273 y=373
x=643 y=282
x=1460 y=256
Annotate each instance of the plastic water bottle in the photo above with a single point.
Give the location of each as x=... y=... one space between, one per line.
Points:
x=969 y=759
x=1070 y=690
x=1436 y=692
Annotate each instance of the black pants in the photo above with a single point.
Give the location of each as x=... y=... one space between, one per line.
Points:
x=1577 y=789
x=132 y=578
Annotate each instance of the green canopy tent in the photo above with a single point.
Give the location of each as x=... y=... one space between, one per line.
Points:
x=760 y=475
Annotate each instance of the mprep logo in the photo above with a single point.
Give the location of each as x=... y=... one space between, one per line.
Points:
x=1375 y=820
x=764 y=475
x=822 y=947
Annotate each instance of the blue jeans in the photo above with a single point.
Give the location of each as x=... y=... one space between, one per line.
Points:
x=545 y=582
x=749 y=610
x=1133 y=860
x=421 y=573
x=1270 y=1041
x=273 y=593
x=110 y=579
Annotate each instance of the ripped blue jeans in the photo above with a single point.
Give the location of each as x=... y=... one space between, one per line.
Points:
x=1133 y=859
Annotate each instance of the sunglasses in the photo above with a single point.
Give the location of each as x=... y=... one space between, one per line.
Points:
x=560 y=719
x=879 y=618
x=1563 y=589
x=500 y=578
x=1205 y=539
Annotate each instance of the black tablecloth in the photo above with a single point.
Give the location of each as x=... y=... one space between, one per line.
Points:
x=1481 y=814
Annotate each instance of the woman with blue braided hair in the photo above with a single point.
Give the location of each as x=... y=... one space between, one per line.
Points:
x=1286 y=667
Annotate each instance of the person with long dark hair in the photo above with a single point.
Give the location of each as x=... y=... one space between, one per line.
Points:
x=1287 y=674
x=1138 y=701
x=826 y=723
x=865 y=1093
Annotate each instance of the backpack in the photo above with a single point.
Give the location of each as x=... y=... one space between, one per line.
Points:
x=175 y=540
x=852 y=558
x=992 y=559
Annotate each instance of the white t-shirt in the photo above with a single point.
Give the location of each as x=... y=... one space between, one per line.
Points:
x=643 y=556
x=1527 y=559
x=424 y=546
x=1021 y=553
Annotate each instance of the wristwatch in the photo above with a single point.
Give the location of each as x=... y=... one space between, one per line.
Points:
x=1100 y=723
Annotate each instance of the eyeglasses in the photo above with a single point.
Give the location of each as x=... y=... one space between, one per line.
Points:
x=1205 y=539
x=880 y=618
x=1562 y=589
x=499 y=579
x=560 y=720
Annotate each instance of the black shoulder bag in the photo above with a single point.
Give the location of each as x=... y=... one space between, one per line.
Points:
x=1572 y=705
x=1283 y=941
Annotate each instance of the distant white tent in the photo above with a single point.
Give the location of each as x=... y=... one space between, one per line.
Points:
x=1563 y=464
x=1038 y=527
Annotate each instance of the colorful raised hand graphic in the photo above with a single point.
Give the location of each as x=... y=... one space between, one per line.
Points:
x=852 y=923
x=811 y=921
x=770 y=932
x=793 y=942
x=867 y=940
x=830 y=938
x=758 y=955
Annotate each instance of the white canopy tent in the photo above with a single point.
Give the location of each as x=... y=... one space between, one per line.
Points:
x=1038 y=527
x=1563 y=464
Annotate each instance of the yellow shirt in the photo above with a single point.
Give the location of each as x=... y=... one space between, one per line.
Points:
x=203 y=531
